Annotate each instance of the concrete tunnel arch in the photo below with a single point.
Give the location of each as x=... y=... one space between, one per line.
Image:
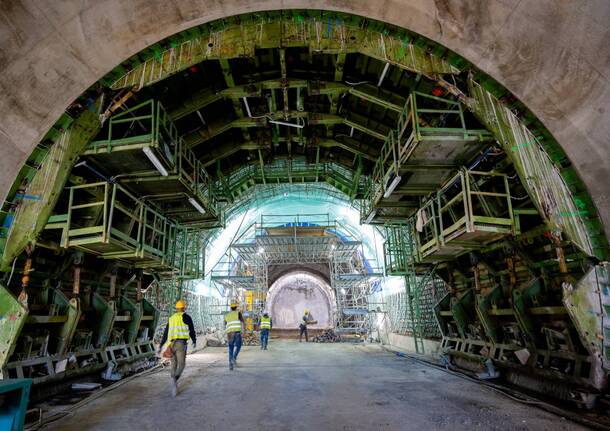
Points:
x=53 y=52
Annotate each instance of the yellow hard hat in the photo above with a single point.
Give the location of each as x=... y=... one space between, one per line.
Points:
x=233 y=304
x=306 y=311
x=180 y=304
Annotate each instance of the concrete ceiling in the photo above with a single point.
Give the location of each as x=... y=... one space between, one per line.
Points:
x=552 y=55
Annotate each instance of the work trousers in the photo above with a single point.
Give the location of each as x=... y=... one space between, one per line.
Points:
x=234 y=340
x=303 y=330
x=264 y=338
x=178 y=358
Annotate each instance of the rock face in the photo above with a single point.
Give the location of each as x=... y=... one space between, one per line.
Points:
x=292 y=294
x=552 y=55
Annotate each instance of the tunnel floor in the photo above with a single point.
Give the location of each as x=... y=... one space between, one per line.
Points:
x=307 y=386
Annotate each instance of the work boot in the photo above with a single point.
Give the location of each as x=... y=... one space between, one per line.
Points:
x=174 y=386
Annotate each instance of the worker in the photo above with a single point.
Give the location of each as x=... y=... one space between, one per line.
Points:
x=265 y=326
x=234 y=325
x=306 y=320
x=177 y=332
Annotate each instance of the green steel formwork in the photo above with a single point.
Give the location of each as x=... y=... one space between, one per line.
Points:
x=46 y=334
x=142 y=151
x=564 y=206
x=431 y=141
x=399 y=248
x=121 y=226
x=321 y=32
x=471 y=210
x=295 y=171
x=155 y=135
x=13 y=315
x=42 y=178
x=416 y=317
x=192 y=265
x=118 y=225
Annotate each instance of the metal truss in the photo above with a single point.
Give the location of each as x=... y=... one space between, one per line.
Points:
x=353 y=280
x=332 y=33
x=278 y=240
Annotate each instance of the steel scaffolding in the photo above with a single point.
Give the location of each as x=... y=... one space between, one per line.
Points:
x=354 y=280
x=412 y=311
x=303 y=239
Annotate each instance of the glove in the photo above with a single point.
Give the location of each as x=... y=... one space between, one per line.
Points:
x=194 y=346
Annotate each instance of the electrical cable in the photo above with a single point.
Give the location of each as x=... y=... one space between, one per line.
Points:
x=519 y=198
x=357 y=83
x=12 y=271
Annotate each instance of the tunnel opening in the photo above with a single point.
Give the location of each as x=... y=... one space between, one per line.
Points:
x=200 y=168
x=293 y=293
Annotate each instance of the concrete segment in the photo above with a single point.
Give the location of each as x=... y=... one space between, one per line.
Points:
x=308 y=387
x=553 y=55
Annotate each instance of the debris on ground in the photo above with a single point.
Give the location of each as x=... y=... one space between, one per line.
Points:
x=251 y=339
x=328 y=336
x=216 y=339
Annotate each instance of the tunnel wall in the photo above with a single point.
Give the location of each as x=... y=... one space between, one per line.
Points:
x=406 y=343
x=552 y=55
x=287 y=300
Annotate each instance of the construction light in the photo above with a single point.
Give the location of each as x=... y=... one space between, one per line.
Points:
x=286 y=123
x=247 y=106
x=153 y=159
x=261 y=250
x=385 y=70
x=392 y=186
x=196 y=205
x=370 y=217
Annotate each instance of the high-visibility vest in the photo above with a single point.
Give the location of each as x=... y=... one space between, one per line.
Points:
x=178 y=330
x=265 y=322
x=233 y=322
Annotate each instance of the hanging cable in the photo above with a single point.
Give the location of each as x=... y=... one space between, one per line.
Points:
x=357 y=83
x=12 y=271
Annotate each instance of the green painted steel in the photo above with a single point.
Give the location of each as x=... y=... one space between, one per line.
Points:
x=12 y=318
x=563 y=210
x=417 y=138
x=294 y=171
x=588 y=303
x=132 y=312
x=326 y=33
x=177 y=168
x=105 y=311
x=44 y=189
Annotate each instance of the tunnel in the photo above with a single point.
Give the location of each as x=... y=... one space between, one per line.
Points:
x=418 y=187
x=297 y=291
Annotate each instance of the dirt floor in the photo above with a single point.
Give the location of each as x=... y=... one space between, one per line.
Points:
x=311 y=387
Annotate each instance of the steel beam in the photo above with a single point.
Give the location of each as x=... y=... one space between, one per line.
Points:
x=241 y=40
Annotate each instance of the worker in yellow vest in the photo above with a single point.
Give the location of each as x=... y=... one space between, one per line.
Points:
x=265 y=326
x=234 y=325
x=177 y=332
